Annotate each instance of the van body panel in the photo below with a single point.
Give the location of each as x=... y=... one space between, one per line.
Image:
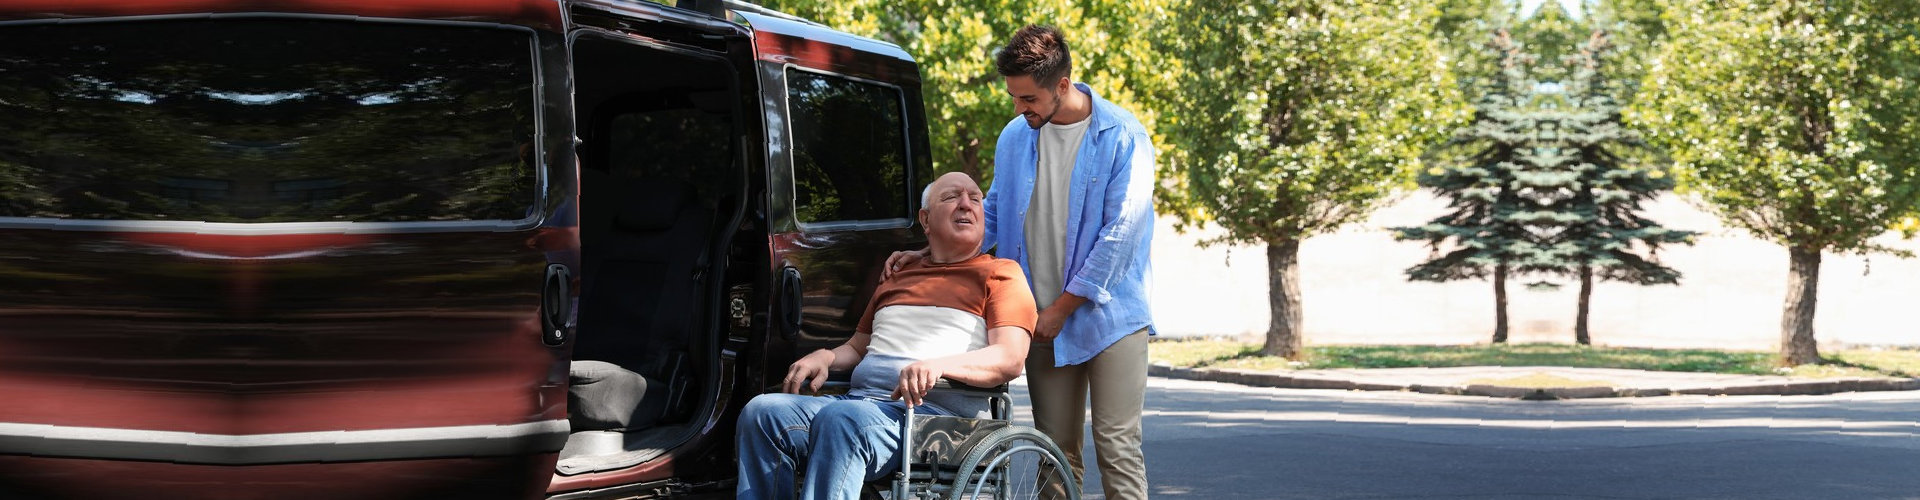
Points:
x=237 y=335
x=404 y=358
x=153 y=354
x=476 y=477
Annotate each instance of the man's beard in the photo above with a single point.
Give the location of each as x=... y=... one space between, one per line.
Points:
x=1049 y=118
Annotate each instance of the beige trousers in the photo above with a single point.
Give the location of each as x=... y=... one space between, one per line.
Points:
x=1116 y=381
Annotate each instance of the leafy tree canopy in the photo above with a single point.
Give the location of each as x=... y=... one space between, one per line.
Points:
x=1793 y=120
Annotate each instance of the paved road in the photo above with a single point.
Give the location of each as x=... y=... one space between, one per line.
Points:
x=1210 y=440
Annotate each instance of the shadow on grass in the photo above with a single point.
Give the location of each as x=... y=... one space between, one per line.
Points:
x=1248 y=353
x=1884 y=370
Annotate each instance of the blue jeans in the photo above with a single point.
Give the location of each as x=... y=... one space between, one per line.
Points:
x=842 y=441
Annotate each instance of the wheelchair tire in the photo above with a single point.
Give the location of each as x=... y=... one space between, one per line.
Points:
x=1013 y=464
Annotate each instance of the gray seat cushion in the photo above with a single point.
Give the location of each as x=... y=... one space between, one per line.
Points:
x=604 y=396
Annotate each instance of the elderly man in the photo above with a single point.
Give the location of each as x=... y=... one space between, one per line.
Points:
x=957 y=314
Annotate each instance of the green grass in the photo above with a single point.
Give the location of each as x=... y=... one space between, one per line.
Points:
x=1210 y=353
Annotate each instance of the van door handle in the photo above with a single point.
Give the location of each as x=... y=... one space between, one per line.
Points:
x=790 y=295
x=556 y=306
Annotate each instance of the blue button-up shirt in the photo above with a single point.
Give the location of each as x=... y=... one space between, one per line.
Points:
x=1109 y=224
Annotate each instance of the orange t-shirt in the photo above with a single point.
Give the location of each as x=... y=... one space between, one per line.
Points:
x=932 y=310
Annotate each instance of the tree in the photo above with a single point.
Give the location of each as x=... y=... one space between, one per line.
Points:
x=1601 y=230
x=1294 y=118
x=1483 y=232
x=1794 y=121
x=954 y=40
x=1463 y=28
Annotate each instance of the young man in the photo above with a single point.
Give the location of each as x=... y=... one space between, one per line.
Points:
x=958 y=314
x=1072 y=201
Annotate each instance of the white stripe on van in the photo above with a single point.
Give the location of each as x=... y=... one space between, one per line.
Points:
x=291 y=447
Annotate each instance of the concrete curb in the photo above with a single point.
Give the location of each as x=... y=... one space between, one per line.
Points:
x=1283 y=380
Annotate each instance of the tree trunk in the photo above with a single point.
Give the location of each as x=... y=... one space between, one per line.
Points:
x=1283 y=296
x=1580 y=335
x=1796 y=323
x=1500 y=304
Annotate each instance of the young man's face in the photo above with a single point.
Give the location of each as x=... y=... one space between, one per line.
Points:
x=1035 y=102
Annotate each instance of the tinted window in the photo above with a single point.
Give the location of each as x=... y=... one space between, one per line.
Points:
x=685 y=144
x=256 y=120
x=849 y=149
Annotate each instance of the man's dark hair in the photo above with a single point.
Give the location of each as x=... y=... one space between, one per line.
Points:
x=1038 y=51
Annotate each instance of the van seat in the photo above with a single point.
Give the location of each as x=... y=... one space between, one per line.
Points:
x=603 y=396
x=642 y=305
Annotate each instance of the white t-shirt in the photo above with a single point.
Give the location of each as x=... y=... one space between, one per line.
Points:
x=1046 y=223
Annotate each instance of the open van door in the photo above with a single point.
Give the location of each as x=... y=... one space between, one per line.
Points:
x=661 y=108
x=847 y=159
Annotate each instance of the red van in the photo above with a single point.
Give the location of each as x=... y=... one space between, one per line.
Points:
x=353 y=249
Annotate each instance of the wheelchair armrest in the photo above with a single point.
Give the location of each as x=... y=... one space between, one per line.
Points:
x=1000 y=398
x=837 y=383
x=955 y=385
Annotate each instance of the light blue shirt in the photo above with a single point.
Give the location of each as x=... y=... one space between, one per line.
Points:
x=1109 y=224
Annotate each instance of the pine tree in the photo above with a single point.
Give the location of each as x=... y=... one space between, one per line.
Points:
x=1603 y=232
x=1481 y=233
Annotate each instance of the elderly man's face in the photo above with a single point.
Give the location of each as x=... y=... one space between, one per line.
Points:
x=952 y=215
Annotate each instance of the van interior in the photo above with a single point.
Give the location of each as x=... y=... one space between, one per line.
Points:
x=660 y=170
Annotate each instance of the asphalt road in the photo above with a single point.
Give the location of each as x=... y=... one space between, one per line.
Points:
x=1208 y=440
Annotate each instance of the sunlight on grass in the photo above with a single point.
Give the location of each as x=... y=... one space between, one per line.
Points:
x=1213 y=353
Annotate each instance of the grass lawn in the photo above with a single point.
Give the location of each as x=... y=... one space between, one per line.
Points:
x=1213 y=353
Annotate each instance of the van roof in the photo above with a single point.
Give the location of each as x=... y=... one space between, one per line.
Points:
x=782 y=39
x=541 y=14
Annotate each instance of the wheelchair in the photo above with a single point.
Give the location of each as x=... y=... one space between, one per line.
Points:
x=972 y=458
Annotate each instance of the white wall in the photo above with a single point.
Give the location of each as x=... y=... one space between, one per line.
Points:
x=1354 y=291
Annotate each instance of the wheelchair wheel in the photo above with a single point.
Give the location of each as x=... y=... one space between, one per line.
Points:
x=1015 y=463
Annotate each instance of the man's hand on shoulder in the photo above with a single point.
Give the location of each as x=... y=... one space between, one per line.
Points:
x=808 y=372
x=900 y=260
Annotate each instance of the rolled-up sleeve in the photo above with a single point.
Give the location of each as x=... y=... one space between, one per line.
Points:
x=1128 y=201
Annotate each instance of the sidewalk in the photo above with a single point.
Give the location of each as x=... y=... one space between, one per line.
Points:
x=1584 y=382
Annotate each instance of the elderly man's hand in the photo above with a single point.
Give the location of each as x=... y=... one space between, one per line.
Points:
x=916 y=380
x=809 y=372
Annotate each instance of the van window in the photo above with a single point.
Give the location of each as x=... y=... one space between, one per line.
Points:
x=266 y=120
x=849 y=149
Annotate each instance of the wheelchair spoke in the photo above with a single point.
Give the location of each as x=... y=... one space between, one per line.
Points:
x=1019 y=464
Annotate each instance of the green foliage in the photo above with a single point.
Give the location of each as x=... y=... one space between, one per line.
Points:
x=954 y=42
x=1550 y=34
x=1487 y=226
x=1635 y=27
x=1463 y=28
x=1793 y=120
x=1546 y=180
x=1296 y=117
x=1604 y=231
